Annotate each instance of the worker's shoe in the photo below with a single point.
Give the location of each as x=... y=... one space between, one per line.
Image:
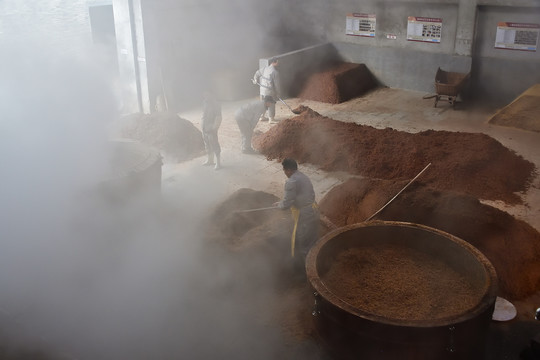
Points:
x=263 y=118
x=218 y=163
x=209 y=160
x=273 y=121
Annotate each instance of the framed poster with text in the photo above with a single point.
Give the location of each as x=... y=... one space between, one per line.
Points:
x=424 y=29
x=360 y=24
x=517 y=36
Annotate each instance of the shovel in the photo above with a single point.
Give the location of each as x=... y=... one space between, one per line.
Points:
x=259 y=209
x=293 y=111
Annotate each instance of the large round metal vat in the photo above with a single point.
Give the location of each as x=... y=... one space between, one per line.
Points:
x=394 y=290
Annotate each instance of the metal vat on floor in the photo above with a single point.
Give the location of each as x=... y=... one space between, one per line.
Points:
x=371 y=325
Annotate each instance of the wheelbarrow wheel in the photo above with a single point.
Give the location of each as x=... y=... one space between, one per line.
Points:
x=452 y=100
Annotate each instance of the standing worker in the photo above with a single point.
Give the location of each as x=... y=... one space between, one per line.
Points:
x=211 y=120
x=268 y=81
x=247 y=118
x=299 y=196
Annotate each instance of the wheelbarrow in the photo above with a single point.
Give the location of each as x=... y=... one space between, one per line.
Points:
x=448 y=85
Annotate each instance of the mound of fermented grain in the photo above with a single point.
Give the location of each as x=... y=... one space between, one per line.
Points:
x=399 y=282
x=338 y=83
x=228 y=219
x=472 y=163
x=177 y=139
x=521 y=113
x=512 y=246
x=251 y=275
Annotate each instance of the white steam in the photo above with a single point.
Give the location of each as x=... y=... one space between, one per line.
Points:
x=99 y=281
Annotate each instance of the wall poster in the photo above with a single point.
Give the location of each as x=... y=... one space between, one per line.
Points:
x=360 y=24
x=424 y=29
x=517 y=36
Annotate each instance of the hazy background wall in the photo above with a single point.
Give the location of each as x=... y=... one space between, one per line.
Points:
x=174 y=50
x=392 y=19
x=500 y=75
x=66 y=23
x=80 y=29
x=198 y=44
x=194 y=45
x=398 y=62
x=412 y=65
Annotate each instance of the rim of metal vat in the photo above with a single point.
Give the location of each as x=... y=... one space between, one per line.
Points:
x=488 y=297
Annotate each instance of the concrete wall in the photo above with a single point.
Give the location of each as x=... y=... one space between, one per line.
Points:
x=467 y=44
x=199 y=44
x=404 y=68
x=178 y=48
x=193 y=45
x=296 y=66
x=398 y=62
x=392 y=19
x=499 y=75
x=394 y=61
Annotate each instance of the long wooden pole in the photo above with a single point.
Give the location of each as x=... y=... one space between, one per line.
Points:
x=392 y=199
x=259 y=209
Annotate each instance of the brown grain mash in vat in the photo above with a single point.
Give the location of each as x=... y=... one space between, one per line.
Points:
x=400 y=282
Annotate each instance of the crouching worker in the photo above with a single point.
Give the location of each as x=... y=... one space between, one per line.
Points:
x=247 y=118
x=299 y=196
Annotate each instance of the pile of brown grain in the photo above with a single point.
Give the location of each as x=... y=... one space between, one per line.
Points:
x=471 y=163
x=177 y=139
x=398 y=282
x=337 y=83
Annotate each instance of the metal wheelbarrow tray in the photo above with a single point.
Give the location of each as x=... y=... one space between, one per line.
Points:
x=448 y=85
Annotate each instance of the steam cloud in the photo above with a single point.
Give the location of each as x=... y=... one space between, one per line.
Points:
x=85 y=280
